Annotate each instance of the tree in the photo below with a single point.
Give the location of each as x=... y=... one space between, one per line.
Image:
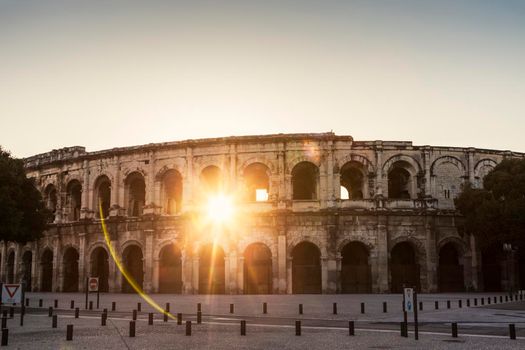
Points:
x=496 y=213
x=23 y=216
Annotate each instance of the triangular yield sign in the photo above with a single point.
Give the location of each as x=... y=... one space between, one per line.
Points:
x=11 y=289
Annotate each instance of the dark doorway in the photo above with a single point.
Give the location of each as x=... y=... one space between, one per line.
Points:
x=306 y=269
x=211 y=270
x=11 y=268
x=132 y=260
x=399 y=183
x=100 y=268
x=304 y=181
x=450 y=272
x=355 y=271
x=46 y=277
x=257 y=269
x=27 y=263
x=170 y=270
x=492 y=262
x=404 y=267
x=70 y=270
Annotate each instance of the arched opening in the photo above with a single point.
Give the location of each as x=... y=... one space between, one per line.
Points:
x=74 y=200
x=102 y=196
x=172 y=192
x=493 y=262
x=100 y=268
x=170 y=270
x=352 y=181
x=70 y=270
x=46 y=275
x=211 y=270
x=306 y=269
x=450 y=271
x=257 y=269
x=399 y=181
x=132 y=261
x=27 y=262
x=136 y=193
x=404 y=267
x=304 y=181
x=355 y=271
x=257 y=182
x=211 y=179
x=50 y=200
x=11 y=267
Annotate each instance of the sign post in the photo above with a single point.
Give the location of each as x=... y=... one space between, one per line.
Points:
x=410 y=305
x=92 y=285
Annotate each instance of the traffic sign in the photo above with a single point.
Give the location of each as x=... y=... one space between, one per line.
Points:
x=409 y=299
x=93 y=284
x=11 y=293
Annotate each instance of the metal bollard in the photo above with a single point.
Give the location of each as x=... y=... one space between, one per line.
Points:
x=179 y=318
x=72 y=306
x=468 y=302
x=77 y=312
x=91 y=305
x=113 y=306
x=139 y=307
x=105 y=311
x=420 y=306
x=199 y=307
x=488 y=300
x=460 y=304
x=454 y=330
x=482 y=301
x=188 y=327
x=231 y=308
x=4 y=322
x=199 y=317
x=265 y=308
x=334 y=308
x=40 y=302
x=351 y=328
x=300 y=309
x=512 y=331
x=500 y=298
x=103 y=319
x=243 y=327
x=50 y=312
x=134 y=315
x=69 y=332
x=131 y=328
x=448 y=304
x=297 y=327
x=5 y=336
x=402 y=326
x=436 y=305
x=27 y=301
x=475 y=301
x=54 y=322
x=384 y=307
x=167 y=307
x=506 y=298
x=150 y=319
x=165 y=316
x=495 y=300
x=362 y=308
x=56 y=304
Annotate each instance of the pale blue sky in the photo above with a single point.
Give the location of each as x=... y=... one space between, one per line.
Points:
x=104 y=74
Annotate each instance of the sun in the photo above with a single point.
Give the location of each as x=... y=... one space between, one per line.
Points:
x=220 y=208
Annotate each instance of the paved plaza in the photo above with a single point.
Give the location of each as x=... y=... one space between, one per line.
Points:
x=482 y=327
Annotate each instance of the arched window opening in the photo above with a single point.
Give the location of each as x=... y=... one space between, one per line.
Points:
x=46 y=275
x=304 y=181
x=172 y=192
x=170 y=270
x=404 y=267
x=352 y=180
x=211 y=270
x=211 y=179
x=102 y=196
x=27 y=263
x=257 y=182
x=100 y=268
x=136 y=193
x=50 y=199
x=306 y=269
x=132 y=260
x=74 y=200
x=70 y=271
x=355 y=271
x=399 y=182
x=450 y=272
x=257 y=269
x=11 y=267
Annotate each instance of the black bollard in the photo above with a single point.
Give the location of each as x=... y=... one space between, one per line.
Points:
x=40 y=302
x=403 y=325
x=139 y=307
x=334 y=308
x=506 y=298
x=384 y=307
x=179 y=318
x=265 y=308
x=482 y=301
x=105 y=311
x=420 y=306
x=362 y=308
x=468 y=302
x=103 y=319
x=351 y=328
x=199 y=317
x=27 y=301
x=77 y=312
x=4 y=322
x=475 y=301
x=72 y=304
x=199 y=307
x=488 y=300
x=454 y=330
x=167 y=307
x=243 y=327
x=11 y=312
x=460 y=304
x=69 y=332
x=56 y=304
x=5 y=336
x=300 y=309
x=131 y=328
x=448 y=304
x=134 y=315
x=231 y=308
x=495 y=300
x=188 y=327
x=50 y=311
x=500 y=299
x=91 y=305
x=150 y=319
x=54 y=322
x=297 y=327
x=165 y=316
x=512 y=331
x=436 y=305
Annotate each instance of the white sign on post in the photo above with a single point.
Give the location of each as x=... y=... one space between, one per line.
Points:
x=409 y=299
x=93 y=284
x=11 y=293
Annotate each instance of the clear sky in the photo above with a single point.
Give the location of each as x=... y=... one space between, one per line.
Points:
x=105 y=74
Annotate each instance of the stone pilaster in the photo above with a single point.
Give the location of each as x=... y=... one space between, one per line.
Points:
x=381 y=275
x=147 y=262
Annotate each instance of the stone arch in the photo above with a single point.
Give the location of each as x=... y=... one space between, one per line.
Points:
x=46 y=269
x=263 y=239
x=256 y=182
x=212 y=278
x=450 y=268
x=167 y=168
x=209 y=162
x=481 y=169
x=306 y=268
x=127 y=171
x=98 y=176
x=102 y=192
x=448 y=174
x=343 y=242
x=133 y=262
x=70 y=272
x=99 y=265
x=401 y=173
x=258 y=273
x=409 y=271
x=305 y=181
x=448 y=159
x=314 y=240
x=128 y=243
x=355 y=267
x=171 y=191
x=401 y=157
x=170 y=268
x=74 y=199
x=292 y=163
x=135 y=193
x=358 y=158
x=460 y=245
x=257 y=159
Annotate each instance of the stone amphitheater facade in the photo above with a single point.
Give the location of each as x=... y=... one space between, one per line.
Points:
x=340 y=216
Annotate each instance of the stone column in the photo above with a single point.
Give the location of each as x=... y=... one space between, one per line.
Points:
x=16 y=266
x=338 y=270
x=232 y=259
x=475 y=264
x=195 y=275
x=35 y=272
x=233 y=168
x=331 y=275
x=3 y=262
x=148 y=261
x=57 y=267
x=426 y=157
x=381 y=273
x=330 y=189
x=431 y=257
x=470 y=163
x=282 y=193
x=379 y=167
x=282 y=264
x=186 y=270
x=227 y=274
x=240 y=275
x=114 y=275
x=187 y=188
x=289 y=276
x=156 y=263
x=87 y=195
x=82 y=273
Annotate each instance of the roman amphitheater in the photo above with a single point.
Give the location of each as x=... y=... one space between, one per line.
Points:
x=310 y=213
